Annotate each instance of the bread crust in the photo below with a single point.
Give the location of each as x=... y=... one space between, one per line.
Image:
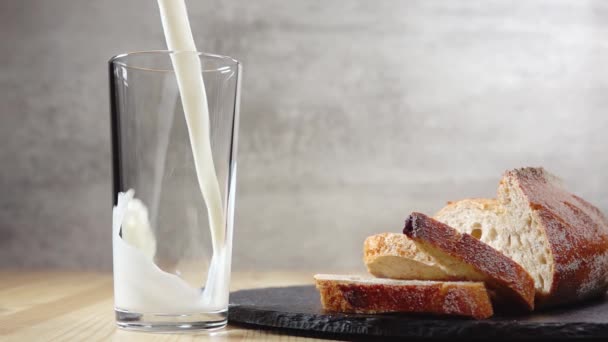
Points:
x=466 y=299
x=577 y=233
x=500 y=272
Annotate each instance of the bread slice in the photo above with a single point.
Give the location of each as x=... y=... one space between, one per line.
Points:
x=395 y=256
x=464 y=256
x=559 y=238
x=353 y=294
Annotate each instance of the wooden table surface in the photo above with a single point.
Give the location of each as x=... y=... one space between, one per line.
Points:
x=78 y=306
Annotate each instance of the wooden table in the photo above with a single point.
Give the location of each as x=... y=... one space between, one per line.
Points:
x=78 y=306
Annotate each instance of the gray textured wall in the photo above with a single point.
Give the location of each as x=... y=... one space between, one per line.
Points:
x=353 y=114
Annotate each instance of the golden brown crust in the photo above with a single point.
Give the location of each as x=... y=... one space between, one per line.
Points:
x=502 y=274
x=577 y=233
x=467 y=299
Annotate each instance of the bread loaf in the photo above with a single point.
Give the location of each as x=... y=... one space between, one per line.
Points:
x=559 y=238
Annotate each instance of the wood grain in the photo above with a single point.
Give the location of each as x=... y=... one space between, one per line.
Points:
x=78 y=306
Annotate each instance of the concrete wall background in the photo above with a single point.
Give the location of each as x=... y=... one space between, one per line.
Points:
x=354 y=113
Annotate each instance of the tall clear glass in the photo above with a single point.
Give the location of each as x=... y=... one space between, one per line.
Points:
x=167 y=276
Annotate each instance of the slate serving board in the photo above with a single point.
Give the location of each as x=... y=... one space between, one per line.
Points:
x=297 y=310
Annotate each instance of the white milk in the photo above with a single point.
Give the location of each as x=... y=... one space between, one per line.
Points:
x=189 y=76
x=139 y=284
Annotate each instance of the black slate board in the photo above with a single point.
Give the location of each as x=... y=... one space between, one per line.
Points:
x=298 y=310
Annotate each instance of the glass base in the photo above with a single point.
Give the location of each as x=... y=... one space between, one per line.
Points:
x=208 y=321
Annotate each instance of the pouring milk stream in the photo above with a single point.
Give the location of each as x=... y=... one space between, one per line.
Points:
x=140 y=284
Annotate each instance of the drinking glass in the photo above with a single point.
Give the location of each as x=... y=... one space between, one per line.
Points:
x=167 y=276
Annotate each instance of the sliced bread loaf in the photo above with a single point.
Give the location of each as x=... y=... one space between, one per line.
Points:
x=353 y=294
x=395 y=256
x=465 y=257
x=559 y=238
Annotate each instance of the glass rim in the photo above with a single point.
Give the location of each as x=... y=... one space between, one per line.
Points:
x=119 y=59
